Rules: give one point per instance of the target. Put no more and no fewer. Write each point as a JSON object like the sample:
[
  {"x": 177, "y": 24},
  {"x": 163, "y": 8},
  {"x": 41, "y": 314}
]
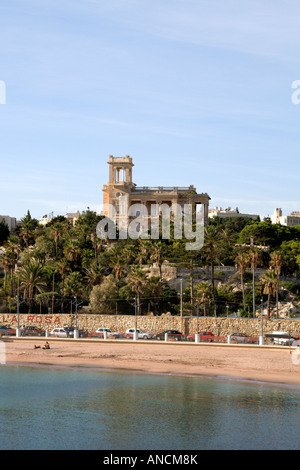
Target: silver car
[{"x": 141, "y": 334}]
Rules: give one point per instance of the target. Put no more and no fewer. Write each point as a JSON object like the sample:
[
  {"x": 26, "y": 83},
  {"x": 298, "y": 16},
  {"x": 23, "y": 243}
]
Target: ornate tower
[{"x": 120, "y": 181}]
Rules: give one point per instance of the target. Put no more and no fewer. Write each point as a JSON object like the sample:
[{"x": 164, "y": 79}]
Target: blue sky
[{"x": 196, "y": 91}]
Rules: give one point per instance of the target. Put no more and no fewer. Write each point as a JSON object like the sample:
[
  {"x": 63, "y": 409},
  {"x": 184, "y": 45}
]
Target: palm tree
[
  {"x": 269, "y": 283},
  {"x": 27, "y": 227},
  {"x": 242, "y": 261},
  {"x": 119, "y": 268},
  {"x": 203, "y": 292},
  {"x": 213, "y": 244},
  {"x": 57, "y": 230},
  {"x": 72, "y": 250},
  {"x": 157, "y": 255},
  {"x": 7, "y": 263},
  {"x": 32, "y": 279},
  {"x": 97, "y": 245},
  {"x": 144, "y": 250},
  {"x": 155, "y": 289},
  {"x": 138, "y": 281},
  {"x": 94, "y": 274},
  {"x": 277, "y": 260},
  {"x": 62, "y": 267},
  {"x": 254, "y": 257}
]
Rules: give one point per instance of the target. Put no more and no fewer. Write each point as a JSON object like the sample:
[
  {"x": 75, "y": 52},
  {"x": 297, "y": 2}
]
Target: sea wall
[{"x": 219, "y": 326}]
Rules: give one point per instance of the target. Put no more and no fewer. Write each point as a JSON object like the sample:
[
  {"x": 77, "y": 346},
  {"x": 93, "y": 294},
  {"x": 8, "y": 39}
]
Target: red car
[
  {"x": 7, "y": 330},
  {"x": 204, "y": 336}
]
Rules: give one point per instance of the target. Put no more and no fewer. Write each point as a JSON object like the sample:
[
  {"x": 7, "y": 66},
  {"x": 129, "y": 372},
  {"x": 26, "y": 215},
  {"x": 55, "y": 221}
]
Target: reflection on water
[{"x": 80, "y": 409}]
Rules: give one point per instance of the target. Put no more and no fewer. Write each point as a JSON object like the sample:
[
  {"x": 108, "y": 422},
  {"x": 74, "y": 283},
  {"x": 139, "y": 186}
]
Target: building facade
[
  {"x": 228, "y": 212},
  {"x": 11, "y": 222},
  {"x": 289, "y": 220},
  {"x": 120, "y": 185}
]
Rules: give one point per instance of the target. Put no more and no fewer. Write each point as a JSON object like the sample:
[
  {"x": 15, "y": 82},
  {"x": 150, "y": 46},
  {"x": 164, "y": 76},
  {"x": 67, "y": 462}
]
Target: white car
[
  {"x": 61, "y": 333},
  {"x": 109, "y": 332},
  {"x": 141, "y": 334},
  {"x": 283, "y": 338}
]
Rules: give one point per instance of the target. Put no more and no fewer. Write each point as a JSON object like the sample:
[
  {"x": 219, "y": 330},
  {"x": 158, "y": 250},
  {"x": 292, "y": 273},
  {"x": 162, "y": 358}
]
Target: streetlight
[
  {"x": 181, "y": 309},
  {"x": 75, "y": 297},
  {"x": 227, "y": 308},
  {"x": 197, "y": 315},
  {"x": 262, "y": 325}
]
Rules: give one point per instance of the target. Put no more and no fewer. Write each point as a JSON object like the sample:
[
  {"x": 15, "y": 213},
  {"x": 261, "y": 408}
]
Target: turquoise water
[{"x": 43, "y": 408}]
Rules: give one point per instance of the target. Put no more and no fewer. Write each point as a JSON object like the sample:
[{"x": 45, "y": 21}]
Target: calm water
[{"x": 83, "y": 409}]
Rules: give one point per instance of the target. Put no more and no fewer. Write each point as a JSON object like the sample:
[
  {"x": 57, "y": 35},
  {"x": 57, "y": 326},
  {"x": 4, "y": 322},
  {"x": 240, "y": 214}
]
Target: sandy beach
[{"x": 239, "y": 362}]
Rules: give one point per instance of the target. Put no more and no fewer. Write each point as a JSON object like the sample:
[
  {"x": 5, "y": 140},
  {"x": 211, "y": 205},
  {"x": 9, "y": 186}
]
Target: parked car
[
  {"x": 7, "y": 330},
  {"x": 282, "y": 337},
  {"x": 31, "y": 331},
  {"x": 242, "y": 338},
  {"x": 173, "y": 334},
  {"x": 141, "y": 334},
  {"x": 204, "y": 336},
  {"x": 61, "y": 333},
  {"x": 110, "y": 333},
  {"x": 67, "y": 332}
]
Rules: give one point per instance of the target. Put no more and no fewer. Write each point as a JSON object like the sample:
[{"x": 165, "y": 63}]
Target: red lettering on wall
[
  {"x": 14, "y": 319},
  {"x": 39, "y": 319},
  {"x": 57, "y": 320},
  {"x": 47, "y": 319},
  {"x": 4, "y": 321},
  {"x": 30, "y": 318}
]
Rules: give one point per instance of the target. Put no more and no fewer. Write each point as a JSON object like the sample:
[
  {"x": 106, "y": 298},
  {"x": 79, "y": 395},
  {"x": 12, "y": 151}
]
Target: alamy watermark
[
  {"x": 296, "y": 94},
  {"x": 135, "y": 221},
  {"x": 2, "y": 92}
]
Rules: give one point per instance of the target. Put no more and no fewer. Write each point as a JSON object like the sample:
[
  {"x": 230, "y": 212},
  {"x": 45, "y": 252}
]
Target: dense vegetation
[{"x": 59, "y": 268}]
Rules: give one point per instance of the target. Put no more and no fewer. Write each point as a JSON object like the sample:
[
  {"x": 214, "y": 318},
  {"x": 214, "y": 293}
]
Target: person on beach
[{"x": 47, "y": 345}]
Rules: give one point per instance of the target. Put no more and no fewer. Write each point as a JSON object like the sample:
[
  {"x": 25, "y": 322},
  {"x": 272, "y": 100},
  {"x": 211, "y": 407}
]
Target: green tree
[
  {"x": 32, "y": 280},
  {"x": 4, "y": 232},
  {"x": 103, "y": 297},
  {"x": 242, "y": 261},
  {"x": 138, "y": 281},
  {"x": 277, "y": 260},
  {"x": 211, "y": 250},
  {"x": 203, "y": 292},
  {"x": 254, "y": 257},
  {"x": 269, "y": 283}
]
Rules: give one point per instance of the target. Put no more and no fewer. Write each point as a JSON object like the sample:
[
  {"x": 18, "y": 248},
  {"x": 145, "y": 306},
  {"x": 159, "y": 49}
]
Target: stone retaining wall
[{"x": 218, "y": 326}]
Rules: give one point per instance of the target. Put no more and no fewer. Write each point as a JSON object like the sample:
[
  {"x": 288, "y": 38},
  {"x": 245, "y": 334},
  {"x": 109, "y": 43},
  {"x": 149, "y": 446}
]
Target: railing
[{"x": 161, "y": 188}]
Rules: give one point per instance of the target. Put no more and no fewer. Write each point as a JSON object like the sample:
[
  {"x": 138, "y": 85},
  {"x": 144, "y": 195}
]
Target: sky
[{"x": 195, "y": 91}]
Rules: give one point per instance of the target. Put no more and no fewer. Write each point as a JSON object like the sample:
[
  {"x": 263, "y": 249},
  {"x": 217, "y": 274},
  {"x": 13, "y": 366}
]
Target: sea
[{"x": 44, "y": 408}]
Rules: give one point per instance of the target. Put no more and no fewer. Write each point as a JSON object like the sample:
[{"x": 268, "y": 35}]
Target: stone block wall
[{"x": 188, "y": 325}]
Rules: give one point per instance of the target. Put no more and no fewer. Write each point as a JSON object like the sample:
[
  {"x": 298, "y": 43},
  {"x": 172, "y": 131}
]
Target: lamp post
[
  {"x": 135, "y": 313},
  {"x": 181, "y": 306},
  {"x": 18, "y": 313},
  {"x": 135, "y": 334},
  {"x": 76, "y": 335},
  {"x": 75, "y": 311},
  {"x": 227, "y": 308},
  {"x": 262, "y": 324}
]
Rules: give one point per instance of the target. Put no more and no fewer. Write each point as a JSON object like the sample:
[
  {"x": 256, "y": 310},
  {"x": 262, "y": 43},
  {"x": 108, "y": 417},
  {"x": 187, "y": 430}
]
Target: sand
[{"x": 241, "y": 362}]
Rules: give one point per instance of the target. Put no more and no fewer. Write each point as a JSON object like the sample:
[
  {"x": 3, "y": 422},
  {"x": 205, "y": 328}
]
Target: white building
[
  {"x": 71, "y": 217},
  {"x": 219, "y": 212},
  {"x": 11, "y": 222},
  {"x": 290, "y": 220}
]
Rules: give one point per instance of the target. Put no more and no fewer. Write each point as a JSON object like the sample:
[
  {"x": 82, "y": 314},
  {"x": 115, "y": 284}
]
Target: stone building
[
  {"x": 120, "y": 185},
  {"x": 292, "y": 219}
]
